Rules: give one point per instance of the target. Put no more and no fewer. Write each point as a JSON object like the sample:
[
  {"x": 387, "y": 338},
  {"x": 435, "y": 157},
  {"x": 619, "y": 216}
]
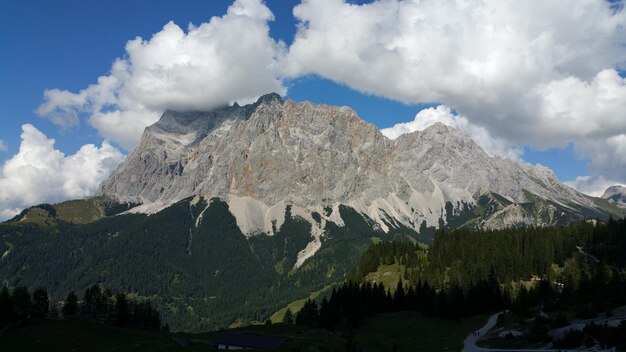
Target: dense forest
[
  {"x": 467, "y": 272},
  {"x": 464, "y": 256},
  {"x": 18, "y": 306},
  {"x": 200, "y": 274}
]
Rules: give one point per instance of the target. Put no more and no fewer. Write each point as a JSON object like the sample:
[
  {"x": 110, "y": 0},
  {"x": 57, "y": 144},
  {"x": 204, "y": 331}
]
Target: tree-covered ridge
[
  {"x": 569, "y": 268},
  {"x": 18, "y": 306},
  {"x": 462, "y": 256},
  {"x": 201, "y": 274},
  {"x": 78, "y": 211}
]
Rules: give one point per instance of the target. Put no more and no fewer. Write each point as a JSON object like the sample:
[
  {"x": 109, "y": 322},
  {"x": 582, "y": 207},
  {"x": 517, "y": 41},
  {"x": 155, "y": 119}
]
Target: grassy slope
[
  {"x": 201, "y": 279},
  {"x": 296, "y": 305},
  {"x": 80, "y": 211},
  {"x": 389, "y": 275}
]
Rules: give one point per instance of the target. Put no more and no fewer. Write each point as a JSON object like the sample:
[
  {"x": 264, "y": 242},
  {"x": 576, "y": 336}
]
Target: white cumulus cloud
[
  {"x": 591, "y": 185},
  {"x": 443, "y": 114},
  {"x": 539, "y": 73},
  {"x": 3, "y": 146},
  {"x": 39, "y": 173},
  {"x": 225, "y": 59}
]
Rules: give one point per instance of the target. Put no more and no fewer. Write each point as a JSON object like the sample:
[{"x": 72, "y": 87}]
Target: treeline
[
  {"x": 413, "y": 256},
  {"x": 352, "y": 302},
  {"x": 18, "y": 306},
  {"x": 463, "y": 256},
  {"x": 476, "y": 272}
]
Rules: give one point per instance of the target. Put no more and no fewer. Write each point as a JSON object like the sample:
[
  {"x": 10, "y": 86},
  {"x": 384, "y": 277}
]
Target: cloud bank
[
  {"x": 39, "y": 173},
  {"x": 536, "y": 73},
  {"x": 424, "y": 118},
  {"x": 592, "y": 185},
  {"x": 226, "y": 59},
  {"x": 531, "y": 73}
]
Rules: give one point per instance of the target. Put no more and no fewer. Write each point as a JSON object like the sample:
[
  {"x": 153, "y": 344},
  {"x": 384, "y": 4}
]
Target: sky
[{"x": 535, "y": 81}]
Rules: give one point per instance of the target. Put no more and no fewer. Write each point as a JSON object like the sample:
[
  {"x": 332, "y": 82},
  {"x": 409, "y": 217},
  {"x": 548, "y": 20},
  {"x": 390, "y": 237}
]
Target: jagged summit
[
  {"x": 262, "y": 157},
  {"x": 270, "y": 98}
]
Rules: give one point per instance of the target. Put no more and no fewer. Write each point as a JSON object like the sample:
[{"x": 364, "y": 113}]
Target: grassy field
[
  {"x": 81, "y": 335},
  {"x": 295, "y": 306},
  {"x": 389, "y": 275},
  {"x": 81, "y": 211}
]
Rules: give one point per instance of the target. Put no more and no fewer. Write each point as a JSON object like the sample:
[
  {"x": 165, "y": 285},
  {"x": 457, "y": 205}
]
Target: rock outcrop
[{"x": 261, "y": 157}]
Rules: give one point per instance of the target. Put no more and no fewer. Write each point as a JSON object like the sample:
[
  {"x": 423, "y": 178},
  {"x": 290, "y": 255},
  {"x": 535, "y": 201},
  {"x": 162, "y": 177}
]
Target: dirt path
[{"x": 469, "y": 344}]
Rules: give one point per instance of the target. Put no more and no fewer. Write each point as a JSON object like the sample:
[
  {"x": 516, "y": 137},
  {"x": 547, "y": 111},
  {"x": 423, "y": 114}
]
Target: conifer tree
[
  {"x": 6, "y": 307},
  {"x": 70, "y": 306},
  {"x": 122, "y": 314},
  {"x": 288, "y": 317},
  {"x": 21, "y": 303},
  {"x": 41, "y": 303}
]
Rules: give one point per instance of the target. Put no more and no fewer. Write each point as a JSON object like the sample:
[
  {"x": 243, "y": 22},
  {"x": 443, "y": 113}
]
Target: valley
[{"x": 234, "y": 217}]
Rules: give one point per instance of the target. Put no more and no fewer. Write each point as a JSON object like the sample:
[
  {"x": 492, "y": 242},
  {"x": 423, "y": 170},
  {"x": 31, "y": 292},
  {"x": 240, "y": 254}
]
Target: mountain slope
[
  {"x": 262, "y": 157},
  {"x": 191, "y": 259},
  {"x": 245, "y": 209}
]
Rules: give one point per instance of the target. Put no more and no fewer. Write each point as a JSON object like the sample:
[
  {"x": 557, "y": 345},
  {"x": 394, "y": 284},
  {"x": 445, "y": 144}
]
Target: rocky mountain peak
[
  {"x": 261, "y": 157},
  {"x": 616, "y": 194},
  {"x": 270, "y": 98}
]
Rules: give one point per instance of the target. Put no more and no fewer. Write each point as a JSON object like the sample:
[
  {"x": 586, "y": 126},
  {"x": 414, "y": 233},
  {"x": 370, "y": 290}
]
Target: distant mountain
[
  {"x": 236, "y": 212},
  {"x": 616, "y": 194}
]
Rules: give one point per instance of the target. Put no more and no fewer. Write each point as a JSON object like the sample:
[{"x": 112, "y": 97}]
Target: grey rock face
[
  {"x": 616, "y": 194},
  {"x": 263, "y": 156}
]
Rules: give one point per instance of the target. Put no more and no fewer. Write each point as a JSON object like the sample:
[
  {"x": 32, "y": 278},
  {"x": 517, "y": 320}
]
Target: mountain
[
  {"x": 224, "y": 217},
  {"x": 259, "y": 158},
  {"x": 616, "y": 194}
]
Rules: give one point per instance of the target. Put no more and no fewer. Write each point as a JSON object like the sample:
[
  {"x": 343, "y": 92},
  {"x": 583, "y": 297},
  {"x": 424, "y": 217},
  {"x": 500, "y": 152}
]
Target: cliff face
[{"x": 260, "y": 158}]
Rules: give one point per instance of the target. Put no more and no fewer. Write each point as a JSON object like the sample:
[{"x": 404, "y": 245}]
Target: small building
[{"x": 233, "y": 340}]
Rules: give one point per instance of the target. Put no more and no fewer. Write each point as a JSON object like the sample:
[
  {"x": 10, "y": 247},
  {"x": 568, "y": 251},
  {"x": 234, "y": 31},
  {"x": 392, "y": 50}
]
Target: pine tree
[
  {"x": 308, "y": 314},
  {"x": 400, "y": 297},
  {"x": 6, "y": 307},
  {"x": 41, "y": 303},
  {"x": 288, "y": 317},
  {"x": 70, "y": 306},
  {"x": 122, "y": 313},
  {"x": 21, "y": 303},
  {"x": 327, "y": 315}
]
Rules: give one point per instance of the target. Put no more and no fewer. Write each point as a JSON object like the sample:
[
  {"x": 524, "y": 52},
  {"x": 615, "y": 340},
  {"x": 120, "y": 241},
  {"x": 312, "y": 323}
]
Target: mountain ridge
[
  {"x": 264, "y": 156},
  {"x": 279, "y": 199}
]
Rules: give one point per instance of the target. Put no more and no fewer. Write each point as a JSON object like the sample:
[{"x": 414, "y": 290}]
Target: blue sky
[{"x": 68, "y": 44}]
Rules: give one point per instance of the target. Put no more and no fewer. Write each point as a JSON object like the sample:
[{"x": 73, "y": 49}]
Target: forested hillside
[
  {"x": 575, "y": 268},
  {"x": 202, "y": 273}
]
